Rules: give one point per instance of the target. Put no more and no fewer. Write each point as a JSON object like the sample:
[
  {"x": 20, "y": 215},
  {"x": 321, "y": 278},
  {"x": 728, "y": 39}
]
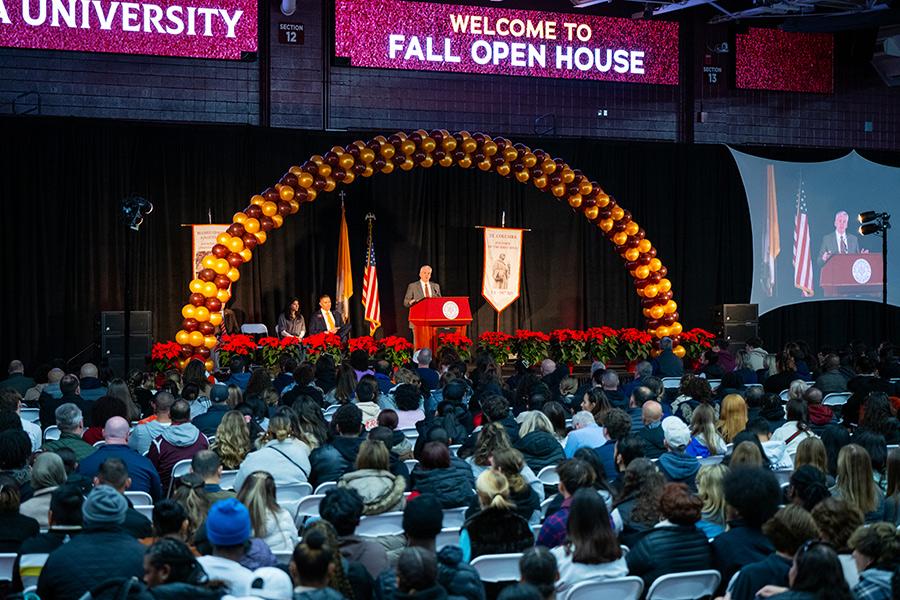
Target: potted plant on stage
[
  {"x": 696, "y": 342},
  {"x": 531, "y": 346},
  {"x": 366, "y": 343},
  {"x": 458, "y": 343},
  {"x": 602, "y": 344},
  {"x": 273, "y": 351},
  {"x": 397, "y": 350},
  {"x": 236, "y": 345},
  {"x": 636, "y": 345},
  {"x": 568, "y": 346},
  {"x": 497, "y": 344},
  {"x": 164, "y": 356},
  {"x": 323, "y": 343}
]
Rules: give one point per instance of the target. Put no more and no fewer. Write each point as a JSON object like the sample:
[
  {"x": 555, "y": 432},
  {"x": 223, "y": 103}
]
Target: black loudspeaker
[
  {"x": 739, "y": 332},
  {"x": 736, "y": 313},
  {"x": 112, "y": 322},
  {"x": 112, "y": 340}
]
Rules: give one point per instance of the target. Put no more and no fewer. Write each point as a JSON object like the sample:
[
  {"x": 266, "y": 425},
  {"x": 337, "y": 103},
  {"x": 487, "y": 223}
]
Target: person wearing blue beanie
[{"x": 228, "y": 530}]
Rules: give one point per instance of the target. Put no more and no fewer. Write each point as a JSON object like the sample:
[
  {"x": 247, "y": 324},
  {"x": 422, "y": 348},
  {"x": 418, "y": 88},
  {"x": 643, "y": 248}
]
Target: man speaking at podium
[
  {"x": 419, "y": 290},
  {"x": 838, "y": 241}
]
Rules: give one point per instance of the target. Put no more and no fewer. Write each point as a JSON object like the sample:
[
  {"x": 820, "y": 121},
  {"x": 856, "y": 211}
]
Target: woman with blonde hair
[
  {"x": 235, "y": 396},
  {"x": 855, "y": 483},
  {"x": 746, "y": 454},
  {"x": 537, "y": 442},
  {"x": 705, "y": 440},
  {"x": 491, "y": 438},
  {"x": 270, "y": 522},
  {"x": 232, "y": 440},
  {"x": 282, "y": 455},
  {"x": 710, "y": 490},
  {"x": 732, "y": 417},
  {"x": 381, "y": 491},
  {"x": 496, "y": 528},
  {"x": 510, "y": 462},
  {"x": 811, "y": 451},
  {"x": 190, "y": 493}
]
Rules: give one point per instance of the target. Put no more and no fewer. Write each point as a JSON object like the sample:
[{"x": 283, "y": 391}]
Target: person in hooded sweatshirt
[
  {"x": 282, "y": 454},
  {"x": 674, "y": 463},
  {"x": 876, "y": 550},
  {"x": 180, "y": 441},
  {"x": 774, "y": 451},
  {"x": 819, "y": 414}
]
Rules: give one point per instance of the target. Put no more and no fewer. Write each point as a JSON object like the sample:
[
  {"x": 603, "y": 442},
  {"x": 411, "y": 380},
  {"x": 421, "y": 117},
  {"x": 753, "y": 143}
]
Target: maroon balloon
[
  {"x": 359, "y": 169},
  {"x": 222, "y": 282},
  {"x": 220, "y": 251},
  {"x": 663, "y": 271},
  {"x": 207, "y": 328},
  {"x": 186, "y": 350},
  {"x": 497, "y": 160},
  {"x": 458, "y": 155},
  {"x": 253, "y": 211},
  {"x": 214, "y": 305},
  {"x": 300, "y": 195},
  {"x": 653, "y": 323},
  {"x": 250, "y": 241},
  {"x": 189, "y": 324},
  {"x": 399, "y": 159},
  {"x": 373, "y": 144},
  {"x": 352, "y": 150},
  {"x": 668, "y": 320},
  {"x": 311, "y": 168},
  {"x": 640, "y": 283},
  {"x": 654, "y": 278},
  {"x": 378, "y": 164},
  {"x": 339, "y": 175},
  {"x": 572, "y": 188},
  {"x": 206, "y": 274},
  {"x": 284, "y": 208},
  {"x": 235, "y": 230},
  {"x": 416, "y": 138},
  {"x": 289, "y": 179},
  {"x": 266, "y": 223},
  {"x": 204, "y": 352},
  {"x": 331, "y": 158},
  {"x": 437, "y": 135},
  {"x": 555, "y": 179},
  {"x": 197, "y": 299},
  {"x": 643, "y": 260},
  {"x": 439, "y": 154},
  {"x": 271, "y": 194},
  {"x": 319, "y": 183},
  {"x": 235, "y": 260}
]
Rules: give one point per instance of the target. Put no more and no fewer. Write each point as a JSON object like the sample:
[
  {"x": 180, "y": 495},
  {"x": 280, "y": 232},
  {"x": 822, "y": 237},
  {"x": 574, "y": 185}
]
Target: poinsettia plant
[
  {"x": 365, "y": 342},
  {"x": 458, "y": 342},
  {"x": 696, "y": 342},
  {"x": 164, "y": 356},
  {"x": 636, "y": 343},
  {"x": 397, "y": 350},
  {"x": 497, "y": 344},
  {"x": 531, "y": 346},
  {"x": 236, "y": 345},
  {"x": 323, "y": 343},
  {"x": 602, "y": 343},
  {"x": 569, "y": 345}
]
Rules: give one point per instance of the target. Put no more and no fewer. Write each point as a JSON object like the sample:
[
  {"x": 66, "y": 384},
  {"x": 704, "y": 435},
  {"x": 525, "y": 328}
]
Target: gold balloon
[
  {"x": 223, "y": 238},
  {"x": 367, "y": 155},
  {"x": 387, "y": 168},
  {"x": 235, "y": 244},
  {"x": 489, "y": 148},
  {"x": 223, "y": 296},
  {"x": 408, "y": 147},
  {"x": 602, "y": 200},
  {"x": 448, "y": 144},
  {"x": 510, "y": 154},
  {"x": 671, "y": 307},
  {"x": 209, "y": 290},
  {"x": 522, "y": 176},
  {"x": 469, "y": 145},
  {"x": 277, "y": 221},
  {"x": 548, "y": 167},
  {"x": 201, "y": 314},
  {"x": 209, "y": 365},
  {"x": 447, "y": 161},
  {"x": 286, "y": 193},
  {"x": 188, "y": 311},
  {"x": 305, "y": 180},
  {"x": 246, "y": 254},
  {"x": 465, "y": 162},
  {"x": 651, "y": 291},
  {"x": 221, "y": 267},
  {"x": 585, "y": 187},
  {"x": 632, "y": 254},
  {"x": 485, "y": 165},
  {"x": 620, "y": 238},
  {"x": 631, "y": 228},
  {"x": 679, "y": 351},
  {"x": 662, "y": 331},
  {"x": 261, "y": 236},
  {"x": 239, "y": 217},
  {"x": 558, "y": 190},
  {"x": 606, "y": 224},
  {"x": 591, "y": 213},
  {"x": 428, "y": 145},
  {"x": 330, "y": 184},
  {"x": 369, "y": 171},
  {"x": 657, "y": 312},
  {"x": 251, "y": 225},
  {"x": 426, "y": 163},
  {"x": 311, "y": 194},
  {"x": 655, "y": 264},
  {"x": 642, "y": 272},
  {"x": 270, "y": 209},
  {"x": 295, "y": 206},
  {"x": 617, "y": 213},
  {"x": 257, "y": 199},
  {"x": 644, "y": 246},
  {"x": 346, "y": 161},
  {"x": 295, "y": 171},
  {"x": 182, "y": 337},
  {"x": 675, "y": 328},
  {"x": 196, "y": 339},
  {"x": 196, "y": 286},
  {"x": 387, "y": 151},
  {"x": 324, "y": 170},
  {"x": 575, "y": 201},
  {"x": 503, "y": 170},
  {"x": 409, "y": 165},
  {"x": 210, "y": 341},
  {"x": 665, "y": 285},
  {"x": 540, "y": 181},
  {"x": 568, "y": 175}
]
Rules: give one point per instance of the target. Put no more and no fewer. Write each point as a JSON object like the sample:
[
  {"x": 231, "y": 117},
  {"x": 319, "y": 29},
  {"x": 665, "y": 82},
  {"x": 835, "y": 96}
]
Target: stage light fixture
[
  {"x": 874, "y": 222},
  {"x": 133, "y": 210},
  {"x": 867, "y": 216},
  {"x": 869, "y": 228}
]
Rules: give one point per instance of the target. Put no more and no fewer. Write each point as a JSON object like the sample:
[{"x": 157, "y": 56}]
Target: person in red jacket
[{"x": 180, "y": 441}]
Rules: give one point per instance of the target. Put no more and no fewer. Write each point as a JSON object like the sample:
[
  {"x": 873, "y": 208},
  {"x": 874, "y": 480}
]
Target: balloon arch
[{"x": 210, "y": 291}]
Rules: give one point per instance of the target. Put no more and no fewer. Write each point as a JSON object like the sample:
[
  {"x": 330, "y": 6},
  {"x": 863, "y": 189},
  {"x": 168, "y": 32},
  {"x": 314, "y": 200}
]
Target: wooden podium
[
  {"x": 852, "y": 275},
  {"x": 431, "y": 314}
]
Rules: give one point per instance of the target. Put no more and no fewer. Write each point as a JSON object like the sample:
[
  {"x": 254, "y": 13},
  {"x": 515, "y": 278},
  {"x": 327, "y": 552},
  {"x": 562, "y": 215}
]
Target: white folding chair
[
  {"x": 454, "y": 517},
  {"x": 548, "y": 476},
  {"x": 535, "y": 530},
  {"x": 52, "y": 433},
  {"x": 449, "y": 536},
  {"x": 545, "y": 504},
  {"x": 308, "y": 507},
  {"x": 283, "y": 556},
  {"x": 836, "y": 398},
  {"x": 411, "y": 433},
  {"x": 255, "y": 329},
  {"x": 498, "y": 567},
  {"x": 454, "y": 449},
  {"x": 713, "y": 459},
  {"x": 32, "y": 415},
  {"x": 7, "y": 560},
  {"x": 147, "y": 511},
  {"x": 99, "y": 443},
  {"x": 620, "y": 588},
  {"x": 329, "y": 412},
  {"x": 684, "y": 586},
  {"x": 785, "y": 395},
  {"x": 325, "y": 486},
  {"x": 410, "y": 464},
  {"x": 226, "y": 482},
  {"x": 714, "y": 383},
  {"x": 671, "y": 383},
  {"x": 289, "y": 495},
  {"x": 783, "y": 476},
  {"x": 181, "y": 468},
  {"x": 389, "y": 523},
  {"x": 139, "y": 498},
  {"x": 750, "y": 385}
]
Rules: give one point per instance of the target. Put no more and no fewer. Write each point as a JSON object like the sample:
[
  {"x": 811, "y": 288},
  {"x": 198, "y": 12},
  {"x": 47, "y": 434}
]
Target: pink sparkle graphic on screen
[
  {"x": 223, "y": 29},
  {"x": 769, "y": 59},
  {"x": 394, "y": 34}
]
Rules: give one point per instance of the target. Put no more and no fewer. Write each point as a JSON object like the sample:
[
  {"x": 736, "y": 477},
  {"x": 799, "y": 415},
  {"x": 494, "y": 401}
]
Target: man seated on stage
[{"x": 328, "y": 320}]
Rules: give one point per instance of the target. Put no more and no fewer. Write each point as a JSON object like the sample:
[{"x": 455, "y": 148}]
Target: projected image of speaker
[{"x": 112, "y": 340}]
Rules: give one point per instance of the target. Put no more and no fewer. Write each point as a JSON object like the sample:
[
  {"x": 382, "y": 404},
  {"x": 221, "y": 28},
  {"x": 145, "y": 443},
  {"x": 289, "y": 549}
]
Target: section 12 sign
[
  {"x": 394, "y": 34},
  {"x": 191, "y": 28}
]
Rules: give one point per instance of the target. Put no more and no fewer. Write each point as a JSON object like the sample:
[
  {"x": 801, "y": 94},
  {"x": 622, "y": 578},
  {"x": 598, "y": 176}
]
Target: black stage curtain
[{"x": 65, "y": 247}]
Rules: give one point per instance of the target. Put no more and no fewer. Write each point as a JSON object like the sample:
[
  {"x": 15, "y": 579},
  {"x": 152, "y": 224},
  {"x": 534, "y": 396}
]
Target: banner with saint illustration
[
  {"x": 502, "y": 266},
  {"x": 203, "y": 238}
]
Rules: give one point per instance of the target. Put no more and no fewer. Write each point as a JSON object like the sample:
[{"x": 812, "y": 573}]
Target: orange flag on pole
[{"x": 344, "y": 272}]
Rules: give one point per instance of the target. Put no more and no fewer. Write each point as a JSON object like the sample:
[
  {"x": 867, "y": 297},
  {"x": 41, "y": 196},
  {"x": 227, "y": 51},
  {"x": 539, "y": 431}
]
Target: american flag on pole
[
  {"x": 370, "y": 299},
  {"x": 803, "y": 278}
]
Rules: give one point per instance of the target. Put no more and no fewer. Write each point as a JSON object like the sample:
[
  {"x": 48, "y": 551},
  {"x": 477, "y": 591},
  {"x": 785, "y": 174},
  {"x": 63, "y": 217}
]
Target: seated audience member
[
  {"x": 819, "y": 414},
  {"x": 676, "y": 537},
  {"x": 574, "y": 474},
  {"x": 676, "y": 465},
  {"x": 189, "y": 493},
  {"x": 232, "y": 442},
  {"x": 787, "y": 530},
  {"x": 100, "y": 552},
  {"x": 786, "y": 372},
  {"x": 774, "y": 452},
  {"x": 878, "y": 418},
  {"x": 312, "y": 565},
  {"x": 876, "y": 550},
  {"x": 586, "y": 433},
  {"x": 206, "y": 464},
  {"x": 596, "y": 403},
  {"x": 618, "y": 425},
  {"x": 538, "y": 567},
  {"x": 831, "y": 380},
  {"x": 628, "y": 448},
  {"x": 591, "y": 551},
  {"x": 90, "y": 387},
  {"x": 705, "y": 440},
  {"x": 282, "y": 455},
  {"x": 855, "y": 483},
  {"x": 436, "y": 474},
  {"x": 710, "y": 491},
  {"x": 640, "y": 396},
  {"x": 380, "y": 490},
  {"x": 11, "y": 401},
  {"x": 694, "y": 391},
  {"x": 65, "y": 523},
  {"x": 651, "y": 432},
  {"x": 47, "y": 474},
  {"x": 732, "y": 417},
  {"x": 14, "y": 526},
  {"x": 812, "y": 452},
  {"x": 152, "y": 427},
  {"x": 537, "y": 442},
  {"x": 304, "y": 385},
  {"x": 496, "y": 528},
  {"x": 170, "y": 520},
  {"x": 417, "y": 573},
  {"x": 528, "y": 505},
  {"x": 746, "y": 454},
  {"x": 114, "y": 473},
  {"x": 892, "y": 495},
  {"x": 180, "y": 441},
  {"x": 408, "y": 399},
  {"x": 70, "y": 421},
  {"x": 367, "y": 402},
  {"x": 17, "y": 380},
  {"x": 667, "y": 363},
  {"x": 399, "y": 445},
  {"x": 208, "y": 422},
  {"x": 422, "y": 521},
  {"x": 102, "y": 411},
  {"x": 638, "y": 504},
  {"x": 807, "y": 487},
  {"x": 837, "y": 520},
  {"x": 772, "y": 410},
  {"x": 814, "y": 573},
  {"x": 752, "y": 496},
  {"x": 332, "y": 460},
  {"x": 271, "y": 523},
  {"x": 642, "y": 370},
  {"x": 875, "y": 447},
  {"x": 796, "y": 429},
  {"x": 72, "y": 475},
  {"x": 228, "y": 529},
  {"x": 172, "y": 570},
  {"x": 343, "y": 507},
  {"x": 144, "y": 477},
  {"x": 67, "y": 392}
]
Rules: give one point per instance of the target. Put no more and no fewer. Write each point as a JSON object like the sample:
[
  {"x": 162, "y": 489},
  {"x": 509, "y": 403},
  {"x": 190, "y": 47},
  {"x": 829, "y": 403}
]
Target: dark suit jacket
[
  {"x": 414, "y": 293},
  {"x": 317, "y": 323},
  {"x": 830, "y": 245}
]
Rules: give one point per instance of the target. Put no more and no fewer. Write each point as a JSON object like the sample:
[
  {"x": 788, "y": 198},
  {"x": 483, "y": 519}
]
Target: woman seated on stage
[{"x": 291, "y": 322}]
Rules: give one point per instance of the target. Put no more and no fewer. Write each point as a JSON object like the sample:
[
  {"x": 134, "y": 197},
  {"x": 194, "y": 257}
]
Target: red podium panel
[
  {"x": 852, "y": 275},
  {"x": 431, "y": 314}
]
